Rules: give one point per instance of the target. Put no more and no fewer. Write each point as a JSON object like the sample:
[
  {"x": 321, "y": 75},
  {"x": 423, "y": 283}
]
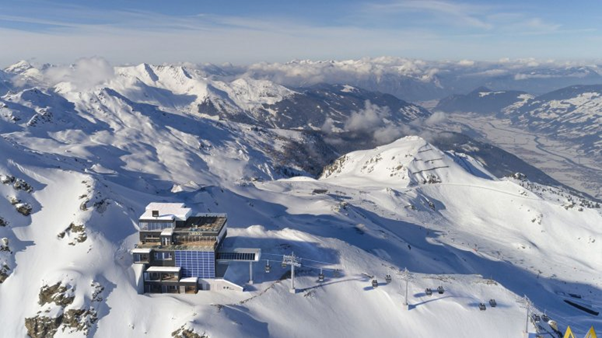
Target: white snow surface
[{"x": 97, "y": 157}]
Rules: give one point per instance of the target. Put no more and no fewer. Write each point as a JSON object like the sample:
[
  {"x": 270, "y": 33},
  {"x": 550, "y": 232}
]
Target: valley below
[{"x": 561, "y": 160}]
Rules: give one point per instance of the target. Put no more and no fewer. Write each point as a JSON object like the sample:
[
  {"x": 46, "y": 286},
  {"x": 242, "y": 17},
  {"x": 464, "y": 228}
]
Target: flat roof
[
  {"x": 205, "y": 223},
  {"x": 189, "y": 280},
  {"x": 201, "y": 245},
  {"x": 164, "y": 269},
  {"x": 142, "y": 250},
  {"x": 167, "y": 212}
]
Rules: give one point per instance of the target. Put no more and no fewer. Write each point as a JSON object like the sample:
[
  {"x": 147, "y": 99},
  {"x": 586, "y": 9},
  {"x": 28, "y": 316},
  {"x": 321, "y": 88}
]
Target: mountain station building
[{"x": 180, "y": 251}]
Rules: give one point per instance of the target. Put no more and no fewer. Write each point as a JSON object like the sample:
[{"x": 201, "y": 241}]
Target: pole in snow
[
  {"x": 527, "y": 320},
  {"x": 293, "y": 261},
  {"x": 406, "y": 277},
  {"x": 251, "y": 273}
]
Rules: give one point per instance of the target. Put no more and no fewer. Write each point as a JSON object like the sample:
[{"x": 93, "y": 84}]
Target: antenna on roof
[{"x": 155, "y": 213}]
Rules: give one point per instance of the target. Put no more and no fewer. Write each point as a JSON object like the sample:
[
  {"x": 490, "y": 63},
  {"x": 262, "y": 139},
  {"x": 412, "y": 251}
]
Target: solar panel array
[{"x": 196, "y": 263}]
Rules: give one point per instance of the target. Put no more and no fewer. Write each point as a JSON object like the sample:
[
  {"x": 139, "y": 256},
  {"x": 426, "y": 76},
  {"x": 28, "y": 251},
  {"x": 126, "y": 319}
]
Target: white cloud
[
  {"x": 373, "y": 120},
  {"x": 436, "y": 118},
  {"x": 328, "y": 126},
  {"x": 387, "y": 134},
  {"x": 466, "y": 63},
  {"x": 85, "y": 73},
  {"x": 367, "y": 119},
  {"x": 451, "y": 12}
]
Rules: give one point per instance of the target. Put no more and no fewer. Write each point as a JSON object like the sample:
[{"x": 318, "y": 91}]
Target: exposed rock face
[
  {"x": 70, "y": 320},
  {"x": 79, "y": 320},
  {"x": 24, "y": 208},
  {"x": 77, "y": 233},
  {"x": 18, "y": 183},
  {"x": 184, "y": 332},
  {"x": 42, "y": 327},
  {"x": 57, "y": 293},
  {"x": 4, "y": 273}
]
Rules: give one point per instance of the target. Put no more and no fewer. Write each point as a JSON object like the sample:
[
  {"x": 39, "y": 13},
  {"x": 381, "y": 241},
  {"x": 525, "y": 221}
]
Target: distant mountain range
[
  {"x": 321, "y": 170},
  {"x": 573, "y": 114},
  {"x": 481, "y": 100},
  {"x": 328, "y": 119}
]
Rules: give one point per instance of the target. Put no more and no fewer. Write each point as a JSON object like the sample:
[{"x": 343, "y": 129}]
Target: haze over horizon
[{"x": 242, "y": 32}]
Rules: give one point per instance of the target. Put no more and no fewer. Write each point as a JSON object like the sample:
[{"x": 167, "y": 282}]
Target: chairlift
[
  {"x": 535, "y": 317},
  {"x": 374, "y": 283},
  {"x": 441, "y": 290},
  {"x": 336, "y": 273},
  {"x": 492, "y": 302},
  {"x": 321, "y": 276},
  {"x": 388, "y": 279},
  {"x": 283, "y": 264},
  {"x": 482, "y": 307},
  {"x": 268, "y": 267},
  {"x": 428, "y": 292},
  {"x": 545, "y": 318}
]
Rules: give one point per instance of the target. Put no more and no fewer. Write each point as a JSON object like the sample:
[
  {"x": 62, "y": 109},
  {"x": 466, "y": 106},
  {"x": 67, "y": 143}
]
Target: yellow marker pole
[
  {"x": 591, "y": 333},
  {"x": 569, "y": 333}
]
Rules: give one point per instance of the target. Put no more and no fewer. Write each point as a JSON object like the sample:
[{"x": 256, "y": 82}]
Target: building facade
[{"x": 177, "y": 249}]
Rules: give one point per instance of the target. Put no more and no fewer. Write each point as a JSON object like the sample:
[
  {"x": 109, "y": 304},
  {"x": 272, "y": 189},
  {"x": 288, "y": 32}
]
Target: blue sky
[{"x": 245, "y": 32}]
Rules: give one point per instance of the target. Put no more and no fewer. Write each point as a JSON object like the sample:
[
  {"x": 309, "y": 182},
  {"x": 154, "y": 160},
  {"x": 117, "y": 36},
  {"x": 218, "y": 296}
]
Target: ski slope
[{"x": 95, "y": 158}]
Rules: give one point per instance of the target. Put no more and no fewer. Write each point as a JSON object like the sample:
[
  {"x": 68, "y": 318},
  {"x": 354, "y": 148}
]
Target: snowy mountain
[
  {"x": 573, "y": 114},
  {"x": 81, "y": 159},
  {"x": 482, "y": 101},
  {"x": 420, "y": 80}
]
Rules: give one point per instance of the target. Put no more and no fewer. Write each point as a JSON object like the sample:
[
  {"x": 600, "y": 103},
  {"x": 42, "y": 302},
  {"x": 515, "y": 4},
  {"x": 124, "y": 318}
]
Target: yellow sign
[
  {"x": 569, "y": 333},
  {"x": 590, "y": 334}
]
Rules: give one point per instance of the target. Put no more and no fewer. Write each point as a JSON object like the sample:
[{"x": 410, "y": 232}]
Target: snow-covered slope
[
  {"x": 406, "y": 204},
  {"x": 482, "y": 100},
  {"x": 573, "y": 114},
  {"x": 74, "y": 183}
]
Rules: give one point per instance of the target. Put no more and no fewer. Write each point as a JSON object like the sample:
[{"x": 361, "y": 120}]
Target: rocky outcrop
[
  {"x": 77, "y": 233},
  {"x": 184, "y": 332},
  {"x": 71, "y": 320},
  {"x": 42, "y": 327}
]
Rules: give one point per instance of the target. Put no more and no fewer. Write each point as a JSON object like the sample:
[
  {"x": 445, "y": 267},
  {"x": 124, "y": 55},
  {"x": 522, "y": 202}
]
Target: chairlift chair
[
  {"x": 492, "y": 302},
  {"x": 388, "y": 279},
  {"x": 336, "y": 273},
  {"x": 545, "y": 318},
  {"x": 268, "y": 267},
  {"x": 440, "y": 290},
  {"x": 428, "y": 291},
  {"x": 283, "y": 264},
  {"x": 374, "y": 283},
  {"x": 321, "y": 277},
  {"x": 482, "y": 307}
]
